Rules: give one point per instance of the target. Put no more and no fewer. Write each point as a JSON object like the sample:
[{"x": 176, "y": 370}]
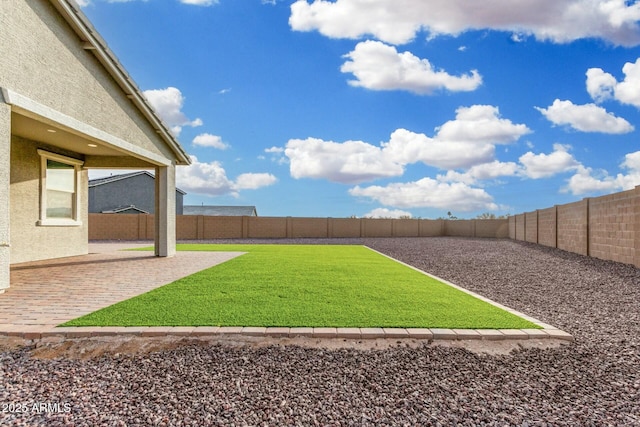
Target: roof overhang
[
  {"x": 92, "y": 41},
  {"x": 64, "y": 131}
]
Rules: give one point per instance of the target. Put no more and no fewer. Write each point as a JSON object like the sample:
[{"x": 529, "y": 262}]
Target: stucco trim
[{"x": 30, "y": 108}]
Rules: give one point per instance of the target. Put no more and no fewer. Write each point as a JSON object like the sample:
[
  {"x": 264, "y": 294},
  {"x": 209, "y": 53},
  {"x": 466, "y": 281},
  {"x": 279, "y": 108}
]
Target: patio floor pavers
[
  {"x": 46, "y": 293},
  {"x": 51, "y": 292}
]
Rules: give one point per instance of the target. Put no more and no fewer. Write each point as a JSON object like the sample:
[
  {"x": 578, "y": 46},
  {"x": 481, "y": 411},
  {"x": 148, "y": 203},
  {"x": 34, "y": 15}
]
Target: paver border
[{"x": 36, "y": 332}]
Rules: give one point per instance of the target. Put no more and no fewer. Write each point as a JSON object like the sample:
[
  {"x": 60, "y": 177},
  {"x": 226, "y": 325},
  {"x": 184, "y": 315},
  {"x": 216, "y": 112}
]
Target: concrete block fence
[
  {"x": 606, "y": 227},
  {"x": 198, "y": 227}
]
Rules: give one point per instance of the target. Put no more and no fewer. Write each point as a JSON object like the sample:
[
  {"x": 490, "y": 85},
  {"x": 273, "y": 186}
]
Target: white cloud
[
  {"x": 399, "y": 21},
  {"x": 378, "y": 66},
  {"x": 468, "y": 140},
  {"x": 387, "y": 213},
  {"x": 200, "y": 2},
  {"x": 276, "y": 155},
  {"x": 208, "y": 140},
  {"x": 632, "y": 161},
  {"x": 602, "y": 86},
  {"x": 628, "y": 90},
  {"x": 585, "y": 118},
  {"x": 204, "y": 178},
  {"x": 482, "y": 172},
  {"x": 546, "y": 165},
  {"x": 405, "y": 147},
  {"x": 586, "y": 180},
  {"x": 481, "y": 124},
  {"x": 253, "y": 181},
  {"x": 210, "y": 179},
  {"x": 428, "y": 192},
  {"x": 348, "y": 162},
  {"x": 168, "y": 104},
  {"x": 275, "y": 150}
]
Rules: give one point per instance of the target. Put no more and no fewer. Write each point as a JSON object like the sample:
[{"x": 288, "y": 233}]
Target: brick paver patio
[{"x": 50, "y": 292}]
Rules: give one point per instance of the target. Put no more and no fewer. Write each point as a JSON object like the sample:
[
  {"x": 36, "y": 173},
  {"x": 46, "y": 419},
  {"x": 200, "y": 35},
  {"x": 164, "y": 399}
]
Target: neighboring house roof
[
  {"x": 108, "y": 179},
  {"x": 92, "y": 41},
  {"x": 220, "y": 210},
  {"x": 125, "y": 209}
]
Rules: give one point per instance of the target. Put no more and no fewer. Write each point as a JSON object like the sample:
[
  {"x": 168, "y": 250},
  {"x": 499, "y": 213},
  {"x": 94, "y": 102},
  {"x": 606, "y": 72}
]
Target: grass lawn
[{"x": 304, "y": 285}]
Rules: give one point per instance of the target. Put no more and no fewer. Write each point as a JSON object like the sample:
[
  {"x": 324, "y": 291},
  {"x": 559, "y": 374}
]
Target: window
[{"x": 59, "y": 185}]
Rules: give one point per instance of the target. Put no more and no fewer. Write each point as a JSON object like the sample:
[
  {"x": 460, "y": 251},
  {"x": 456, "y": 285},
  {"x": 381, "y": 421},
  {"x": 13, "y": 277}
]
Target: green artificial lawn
[{"x": 304, "y": 285}]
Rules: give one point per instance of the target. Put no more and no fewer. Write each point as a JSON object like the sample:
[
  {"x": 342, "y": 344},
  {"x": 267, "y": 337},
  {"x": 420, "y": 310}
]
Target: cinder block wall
[
  {"x": 198, "y": 227},
  {"x": 309, "y": 227},
  {"x": 531, "y": 227},
  {"x": 344, "y": 227},
  {"x": 572, "y": 227},
  {"x": 612, "y": 231},
  {"x": 512, "y": 227},
  {"x": 606, "y": 227},
  {"x": 520, "y": 226},
  {"x": 547, "y": 229}
]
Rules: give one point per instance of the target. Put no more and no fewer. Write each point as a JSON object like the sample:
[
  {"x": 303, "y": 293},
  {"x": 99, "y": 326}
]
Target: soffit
[{"x": 35, "y": 130}]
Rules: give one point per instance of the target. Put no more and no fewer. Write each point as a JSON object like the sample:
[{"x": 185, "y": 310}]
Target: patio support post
[
  {"x": 5, "y": 173},
  {"x": 165, "y": 216}
]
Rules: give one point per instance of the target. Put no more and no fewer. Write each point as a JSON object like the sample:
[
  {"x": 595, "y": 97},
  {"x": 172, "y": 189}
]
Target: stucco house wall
[{"x": 30, "y": 242}]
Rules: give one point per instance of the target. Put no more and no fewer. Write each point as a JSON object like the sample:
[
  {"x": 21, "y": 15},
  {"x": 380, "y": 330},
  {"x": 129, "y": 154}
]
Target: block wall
[
  {"x": 520, "y": 226},
  {"x": 493, "y": 228},
  {"x": 308, "y": 227},
  {"x": 612, "y": 227},
  {"x": 606, "y": 227},
  {"x": 531, "y": 227},
  {"x": 431, "y": 227},
  {"x": 572, "y": 227},
  {"x": 547, "y": 227},
  {"x": 198, "y": 227},
  {"x": 377, "y": 227},
  {"x": 512, "y": 227},
  {"x": 267, "y": 227},
  {"x": 344, "y": 227}
]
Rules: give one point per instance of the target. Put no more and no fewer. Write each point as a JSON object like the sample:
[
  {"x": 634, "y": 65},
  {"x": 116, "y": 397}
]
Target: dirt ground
[{"x": 87, "y": 348}]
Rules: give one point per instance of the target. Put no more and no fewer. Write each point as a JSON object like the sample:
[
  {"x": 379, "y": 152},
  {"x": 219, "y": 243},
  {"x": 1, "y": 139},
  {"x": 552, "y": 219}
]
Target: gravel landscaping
[{"x": 594, "y": 381}]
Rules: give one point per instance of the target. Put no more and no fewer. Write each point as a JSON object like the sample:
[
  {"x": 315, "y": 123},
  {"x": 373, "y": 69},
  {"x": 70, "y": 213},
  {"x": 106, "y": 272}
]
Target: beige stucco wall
[
  {"x": 30, "y": 242},
  {"x": 5, "y": 155},
  {"x": 46, "y": 63}
]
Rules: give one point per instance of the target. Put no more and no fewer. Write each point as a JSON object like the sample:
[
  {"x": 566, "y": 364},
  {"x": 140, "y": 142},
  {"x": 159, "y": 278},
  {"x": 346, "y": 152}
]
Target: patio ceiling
[{"x": 57, "y": 136}]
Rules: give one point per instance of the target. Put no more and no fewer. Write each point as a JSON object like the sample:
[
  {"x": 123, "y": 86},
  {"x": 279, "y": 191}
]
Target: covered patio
[{"x": 66, "y": 106}]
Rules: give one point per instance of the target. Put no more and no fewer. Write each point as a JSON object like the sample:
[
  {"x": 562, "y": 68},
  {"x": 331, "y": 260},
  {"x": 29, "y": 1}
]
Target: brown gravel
[{"x": 594, "y": 381}]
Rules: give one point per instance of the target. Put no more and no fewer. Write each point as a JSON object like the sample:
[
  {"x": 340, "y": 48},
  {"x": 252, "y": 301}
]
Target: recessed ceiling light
[
  {"x": 92, "y": 145},
  {"x": 51, "y": 130}
]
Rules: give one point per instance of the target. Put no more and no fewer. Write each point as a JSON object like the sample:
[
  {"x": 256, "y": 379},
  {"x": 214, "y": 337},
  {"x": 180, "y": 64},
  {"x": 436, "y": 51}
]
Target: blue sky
[{"x": 389, "y": 107}]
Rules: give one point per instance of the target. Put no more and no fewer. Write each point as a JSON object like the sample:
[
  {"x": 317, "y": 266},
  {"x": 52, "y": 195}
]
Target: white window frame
[{"x": 74, "y": 221}]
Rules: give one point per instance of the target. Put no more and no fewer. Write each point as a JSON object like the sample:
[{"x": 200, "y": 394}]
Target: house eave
[{"x": 91, "y": 41}]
